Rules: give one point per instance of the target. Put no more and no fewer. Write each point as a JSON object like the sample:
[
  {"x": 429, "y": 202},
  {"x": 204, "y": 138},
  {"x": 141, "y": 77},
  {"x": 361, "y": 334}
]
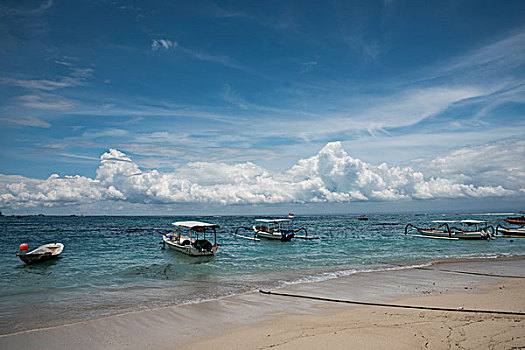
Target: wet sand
[{"x": 259, "y": 321}]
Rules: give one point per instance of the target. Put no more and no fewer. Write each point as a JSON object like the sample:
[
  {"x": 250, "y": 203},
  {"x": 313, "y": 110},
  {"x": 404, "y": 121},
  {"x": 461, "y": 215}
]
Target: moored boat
[
  {"x": 191, "y": 244},
  {"x": 511, "y": 232},
  {"x": 516, "y": 220},
  {"x": 470, "y": 229},
  {"x": 43, "y": 253},
  {"x": 362, "y": 218},
  {"x": 273, "y": 229}
]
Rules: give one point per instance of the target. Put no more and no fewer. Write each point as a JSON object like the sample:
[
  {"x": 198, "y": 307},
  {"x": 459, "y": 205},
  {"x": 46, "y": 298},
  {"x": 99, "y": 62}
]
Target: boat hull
[
  {"x": 511, "y": 232},
  {"x": 189, "y": 249},
  {"x": 42, "y": 254},
  {"x": 276, "y": 236},
  {"x": 453, "y": 235}
]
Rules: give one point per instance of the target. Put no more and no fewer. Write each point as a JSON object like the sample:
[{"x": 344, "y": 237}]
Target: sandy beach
[{"x": 259, "y": 321}]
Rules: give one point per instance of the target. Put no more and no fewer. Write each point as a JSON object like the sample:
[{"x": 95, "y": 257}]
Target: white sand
[{"x": 257, "y": 321}]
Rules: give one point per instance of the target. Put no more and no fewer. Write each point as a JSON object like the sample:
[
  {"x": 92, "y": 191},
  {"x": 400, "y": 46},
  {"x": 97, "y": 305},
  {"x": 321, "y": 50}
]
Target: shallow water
[{"x": 116, "y": 264}]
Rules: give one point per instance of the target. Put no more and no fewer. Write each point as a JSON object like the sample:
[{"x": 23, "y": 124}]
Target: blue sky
[{"x": 434, "y": 87}]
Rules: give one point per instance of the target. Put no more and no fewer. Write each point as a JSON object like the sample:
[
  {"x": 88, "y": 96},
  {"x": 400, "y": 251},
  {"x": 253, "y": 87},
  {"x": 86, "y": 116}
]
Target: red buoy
[{"x": 24, "y": 246}]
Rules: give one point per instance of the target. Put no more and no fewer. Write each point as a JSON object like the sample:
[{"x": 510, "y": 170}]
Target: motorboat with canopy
[
  {"x": 273, "y": 229},
  {"x": 469, "y": 229},
  {"x": 189, "y": 237}
]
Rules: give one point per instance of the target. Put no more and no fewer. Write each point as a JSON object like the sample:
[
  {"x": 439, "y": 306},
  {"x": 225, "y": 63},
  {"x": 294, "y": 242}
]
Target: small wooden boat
[
  {"x": 516, "y": 220},
  {"x": 43, "y": 253},
  {"x": 191, "y": 244},
  {"x": 273, "y": 229},
  {"x": 362, "y": 218},
  {"x": 511, "y": 232},
  {"x": 471, "y": 229}
]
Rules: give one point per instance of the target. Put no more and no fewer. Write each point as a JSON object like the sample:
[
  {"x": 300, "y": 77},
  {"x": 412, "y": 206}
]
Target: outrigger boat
[
  {"x": 191, "y": 244},
  {"x": 512, "y": 231},
  {"x": 273, "y": 229},
  {"x": 43, "y": 253},
  {"x": 472, "y": 229},
  {"x": 517, "y": 220}
]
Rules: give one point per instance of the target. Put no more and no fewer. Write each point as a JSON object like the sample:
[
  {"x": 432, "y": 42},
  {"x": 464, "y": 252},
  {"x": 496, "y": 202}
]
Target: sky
[{"x": 243, "y": 107}]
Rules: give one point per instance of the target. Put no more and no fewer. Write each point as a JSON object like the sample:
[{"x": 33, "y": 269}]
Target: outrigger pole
[
  {"x": 254, "y": 238},
  {"x": 305, "y": 234}
]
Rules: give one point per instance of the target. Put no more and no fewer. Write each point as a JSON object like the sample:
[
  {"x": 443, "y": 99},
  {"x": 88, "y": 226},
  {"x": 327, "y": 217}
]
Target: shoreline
[
  {"x": 377, "y": 327},
  {"x": 140, "y": 327},
  {"x": 315, "y": 276}
]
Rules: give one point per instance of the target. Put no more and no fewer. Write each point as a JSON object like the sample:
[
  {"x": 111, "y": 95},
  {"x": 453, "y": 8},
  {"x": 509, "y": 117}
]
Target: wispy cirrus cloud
[
  {"x": 77, "y": 77},
  {"x": 25, "y": 121},
  {"x": 166, "y": 44},
  {"x": 47, "y": 102},
  {"x": 26, "y": 11},
  {"x": 505, "y": 54}
]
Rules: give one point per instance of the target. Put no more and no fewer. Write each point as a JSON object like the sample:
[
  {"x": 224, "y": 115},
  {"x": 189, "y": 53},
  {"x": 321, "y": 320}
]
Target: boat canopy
[
  {"x": 472, "y": 222},
  {"x": 273, "y": 220},
  {"x": 194, "y": 224}
]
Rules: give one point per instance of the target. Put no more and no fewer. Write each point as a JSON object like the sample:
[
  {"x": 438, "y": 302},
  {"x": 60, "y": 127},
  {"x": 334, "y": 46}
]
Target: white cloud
[
  {"x": 46, "y": 102},
  {"x": 505, "y": 54},
  {"x": 78, "y": 77},
  {"x": 157, "y": 44},
  {"x": 328, "y": 177},
  {"x": 44, "y": 6},
  {"x": 495, "y": 163},
  {"x": 19, "y": 192},
  {"x": 25, "y": 121},
  {"x": 39, "y": 84}
]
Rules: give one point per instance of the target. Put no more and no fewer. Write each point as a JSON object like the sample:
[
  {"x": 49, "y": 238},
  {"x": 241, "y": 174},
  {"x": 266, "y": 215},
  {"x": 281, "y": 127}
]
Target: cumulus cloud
[
  {"x": 20, "y": 192},
  {"x": 495, "y": 163},
  {"x": 330, "y": 176}
]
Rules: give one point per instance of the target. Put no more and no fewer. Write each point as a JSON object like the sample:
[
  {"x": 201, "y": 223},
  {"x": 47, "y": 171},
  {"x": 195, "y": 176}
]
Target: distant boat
[
  {"x": 273, "y": 229},
  {"x": 363, "y": 218},
  {"x": 517, "y": 220},
  {"x": 43, "y": 253},
  {"x": 191, "y": 244}
]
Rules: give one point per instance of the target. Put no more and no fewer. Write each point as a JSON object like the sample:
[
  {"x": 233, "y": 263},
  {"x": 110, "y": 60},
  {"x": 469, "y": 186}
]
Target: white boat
[
  {"x": 191, "y": 244},
  {"x": 470, "y": 229},
  {"x": 511, "y": 232},
  {"x": 273, "y": 229},
  {"x": 43, "y": 253}
]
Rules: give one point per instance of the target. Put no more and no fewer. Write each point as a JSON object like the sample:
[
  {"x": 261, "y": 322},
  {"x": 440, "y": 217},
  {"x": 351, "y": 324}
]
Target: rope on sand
[{"x": 513, "y": 313}]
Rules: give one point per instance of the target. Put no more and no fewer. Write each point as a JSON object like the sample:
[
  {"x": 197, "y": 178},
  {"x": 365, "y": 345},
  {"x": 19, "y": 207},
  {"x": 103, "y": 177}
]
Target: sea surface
[{"x": 113, "y": 265}]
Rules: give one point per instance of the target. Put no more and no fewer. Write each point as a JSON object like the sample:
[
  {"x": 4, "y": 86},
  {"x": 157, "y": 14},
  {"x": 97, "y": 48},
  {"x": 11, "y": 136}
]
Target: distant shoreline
[{"x": 356, "y": 214}]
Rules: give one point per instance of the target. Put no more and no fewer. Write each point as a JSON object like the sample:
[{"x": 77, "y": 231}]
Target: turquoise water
[{"x": 115, "y": 264}]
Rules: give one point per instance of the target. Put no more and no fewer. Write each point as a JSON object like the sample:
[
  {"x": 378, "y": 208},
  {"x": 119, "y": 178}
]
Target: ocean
[{"x": 113, "y": 265}]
